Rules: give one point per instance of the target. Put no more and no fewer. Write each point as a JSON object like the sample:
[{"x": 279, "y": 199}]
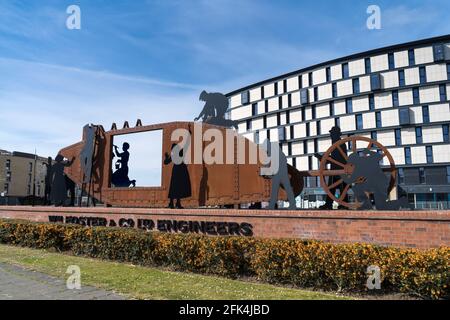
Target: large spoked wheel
[{"x": 357, "y": 143}]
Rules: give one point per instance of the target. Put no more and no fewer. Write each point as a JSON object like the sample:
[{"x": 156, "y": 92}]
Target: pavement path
[{"x": 17, "y": 283}]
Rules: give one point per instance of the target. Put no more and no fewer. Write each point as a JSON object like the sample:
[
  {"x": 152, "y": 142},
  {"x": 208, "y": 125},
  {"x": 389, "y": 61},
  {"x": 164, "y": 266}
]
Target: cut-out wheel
[{"x": 354, "y": 144}]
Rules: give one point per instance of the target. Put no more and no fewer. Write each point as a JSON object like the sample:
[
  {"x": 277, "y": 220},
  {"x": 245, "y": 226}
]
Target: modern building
[
  {"x": 398, "y": 95},
  {"x": 18, "y": 171}
]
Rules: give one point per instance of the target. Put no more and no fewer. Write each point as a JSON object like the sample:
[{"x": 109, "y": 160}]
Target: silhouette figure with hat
[
  {"x": 336, "y": 135},
  {"x": 58, "y": 193}
]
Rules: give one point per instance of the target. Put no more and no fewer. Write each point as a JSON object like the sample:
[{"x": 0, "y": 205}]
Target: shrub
[{"x": 341, "y": 267}]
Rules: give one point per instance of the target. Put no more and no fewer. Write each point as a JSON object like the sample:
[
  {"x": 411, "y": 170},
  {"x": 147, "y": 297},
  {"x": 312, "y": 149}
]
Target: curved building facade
[{"x": 398, "y": 95}]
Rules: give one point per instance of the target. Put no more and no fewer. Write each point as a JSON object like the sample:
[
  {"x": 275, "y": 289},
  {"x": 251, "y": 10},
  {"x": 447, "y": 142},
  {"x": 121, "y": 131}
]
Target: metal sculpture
[
  {"x": 215, "y": 109},
  {"x": 58, "y": 193}
]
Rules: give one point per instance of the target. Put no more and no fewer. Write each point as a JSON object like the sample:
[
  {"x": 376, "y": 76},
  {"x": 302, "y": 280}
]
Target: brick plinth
[{"x": 418, "y": 229}]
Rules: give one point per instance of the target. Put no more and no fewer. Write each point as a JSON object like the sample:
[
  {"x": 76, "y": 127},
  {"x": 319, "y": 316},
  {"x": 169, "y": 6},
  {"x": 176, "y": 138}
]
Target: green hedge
[{"x": 342, "y": 267}]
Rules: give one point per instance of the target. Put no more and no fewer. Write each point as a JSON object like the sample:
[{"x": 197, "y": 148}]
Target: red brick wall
[{"x": 420, "y": 229}]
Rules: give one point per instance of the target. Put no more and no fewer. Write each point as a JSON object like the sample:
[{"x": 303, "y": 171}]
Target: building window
[
  {"x": 328, "y": 73},
  {"x": 367, "y": 65},
  {"x": 448, "y": 71},
  {"x": 423, "y": 75},
  {"x": 275, "y": 88},
  {"x": 448, "y": 174},
  {"x": 254, "y": 109},
  {"x": 331, "y": 108},
  {"x": 30, "y": 167},
  {"x": 318, "y": 128},
  {"x": 290, "y": 148},
  {"x": 303, "y": 114},
  {"x": 422, "y": 175},
  {"x": 404, "y": 117},
  {"x": 39, "y": 190},
  {"x": 375, "y": 81},
  {"x": 401, "y": 78},
  {"x": 408, "y": 155},
  {"x": 378, "y": 119},
  {"x": 425, "y": 114},
  {"x": 337, "y": 122},
  {"x": 316, "y": 146},
  {"x": 29, "y": 189},
  {"x": 289, "y": 100},
  {"x": 249, "y": 125},
  {"x": 257, "y": 137},
  {"x": 266, "y": 106},
  {"x": 419, "y": 138},
  {"x": 398, "y": 137},
  {"x": 443, "y": 92},
  {"x": 300, "y": 81},
  {"x": 349, "y": 105},
  {"x": 445, "y": 133},
  {"x": 334, "y": 89},
  {"x": 6, "y": 188},
  {"x": 401, "y": 176},
  {"x": 278, "y": 119},
  {"x": 411, "y": 57},
  {"x": 359, "y": 122},
  {"x": 304, "y": 96},
  {"x": 262, "y": 92},
  {"x": 439, "y": 52},
  {"x": 345, "y": 71},
  {"x": 371, "y": 102},
  {"x": 308, "y": 131},
  {"x": 416, "y": 96},
  {"x": 285, "y": 85},
  {"x": 265, "y": 122},
  {"x": 291, "y": 129},
  {"x": 429, "y": 151},
  {"x": 305, "y": 147},
  {"x": 268, "y": 135},
  {"x": 395, "y": 101},
  {"x": 356, "y": 88},
  {"x": 280, "y": 102},
  {"x": 316, "y": 94},
  {"x": 313, "y": 112},
  {"x": 8, "y": 176},
  {"x": 391, "y": 61},
  {"x": 288, "y": 117},
  {"x": 8, "y": 165},
  {"x": 310, "y": 79},
  {"x": 373, "y": 135},
  {"x": 245, "y": 97}
]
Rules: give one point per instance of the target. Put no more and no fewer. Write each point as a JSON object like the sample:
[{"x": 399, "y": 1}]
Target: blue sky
[{"x": 150, "y": 59}]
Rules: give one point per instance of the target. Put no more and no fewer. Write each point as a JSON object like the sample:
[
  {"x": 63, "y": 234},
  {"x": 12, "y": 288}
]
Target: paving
[{"x": 17, "y": 283}]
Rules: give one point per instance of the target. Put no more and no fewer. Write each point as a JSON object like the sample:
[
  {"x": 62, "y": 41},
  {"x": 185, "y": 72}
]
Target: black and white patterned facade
[{"x": 397, "y": 95}]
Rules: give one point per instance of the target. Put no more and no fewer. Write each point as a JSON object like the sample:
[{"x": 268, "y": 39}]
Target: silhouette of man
[
  {"x": 120, "y": 176},
  {"x": 280, "y": 177},
  {"x": 216, "y": 106},
  {"x": 368, "y": 177},
  {"x": 336, "y": 134}
]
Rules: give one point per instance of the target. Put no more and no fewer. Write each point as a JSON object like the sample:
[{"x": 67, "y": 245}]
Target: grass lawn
[{"x": 150, "y": 283}]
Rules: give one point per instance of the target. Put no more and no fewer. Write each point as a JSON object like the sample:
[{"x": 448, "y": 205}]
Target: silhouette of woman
[
  {"x": 120, "y": 176},
  {"x": 58, "y": 193},
  {"x": 180, "y": 183}
]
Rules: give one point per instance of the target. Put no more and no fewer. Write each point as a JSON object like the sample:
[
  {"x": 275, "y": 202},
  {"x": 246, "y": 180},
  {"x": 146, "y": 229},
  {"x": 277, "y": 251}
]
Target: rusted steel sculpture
[{"x": 212, "y": 184}]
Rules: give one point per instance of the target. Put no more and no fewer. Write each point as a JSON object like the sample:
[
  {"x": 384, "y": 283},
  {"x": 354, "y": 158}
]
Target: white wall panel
[
  {"x": 364, "y": 84},
  {"x": 300, "y": 131},
  {"x": 436, "y": 72},
  {"x": 379, "y": 63},
  {"x": 389, "y": 118},
  {"x": 386, "y": 138},
  {"x": 383, "y": 100},
  {"x": 401, "y": 59},
  {"x": 255, "y": 95},
  {"x": 418, "y": 155},
  {"x": 295, "y": 116},
  {"x": 336, "y": 72},
  {"x": 339, "y": 107},
  {"x": 292, "y": 84},
  {"x": 405, "y": 97},
  {"x": 319, "y": 76},
  {"x": 408, "y": 136},
  {"x": 325, "y": 92},
  {"x": 369, "y": 120},
  {"x": 390, "y": 79},
  {"x": 323, "y": 110},
  {"x": 415, "y": 115},
  {"x": 424, "y": 55},
  {"x": 235, "y": 101},
  {"x": 360, "y": 104},
  {"x": 398, "y": 154},
  {"x": 357, "y": 67},
  {"x": 432, "y": 134},
  {"x": 344, "y": 88},
  {"x": 429, "y": 94},
  {"x": 242, "y": 112},
  {"x": 441, "y": 153},
  {"x": 348, "y": 123},
  {"x": 439, "y": 112},
  {"x": 412, "y": 76}
]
